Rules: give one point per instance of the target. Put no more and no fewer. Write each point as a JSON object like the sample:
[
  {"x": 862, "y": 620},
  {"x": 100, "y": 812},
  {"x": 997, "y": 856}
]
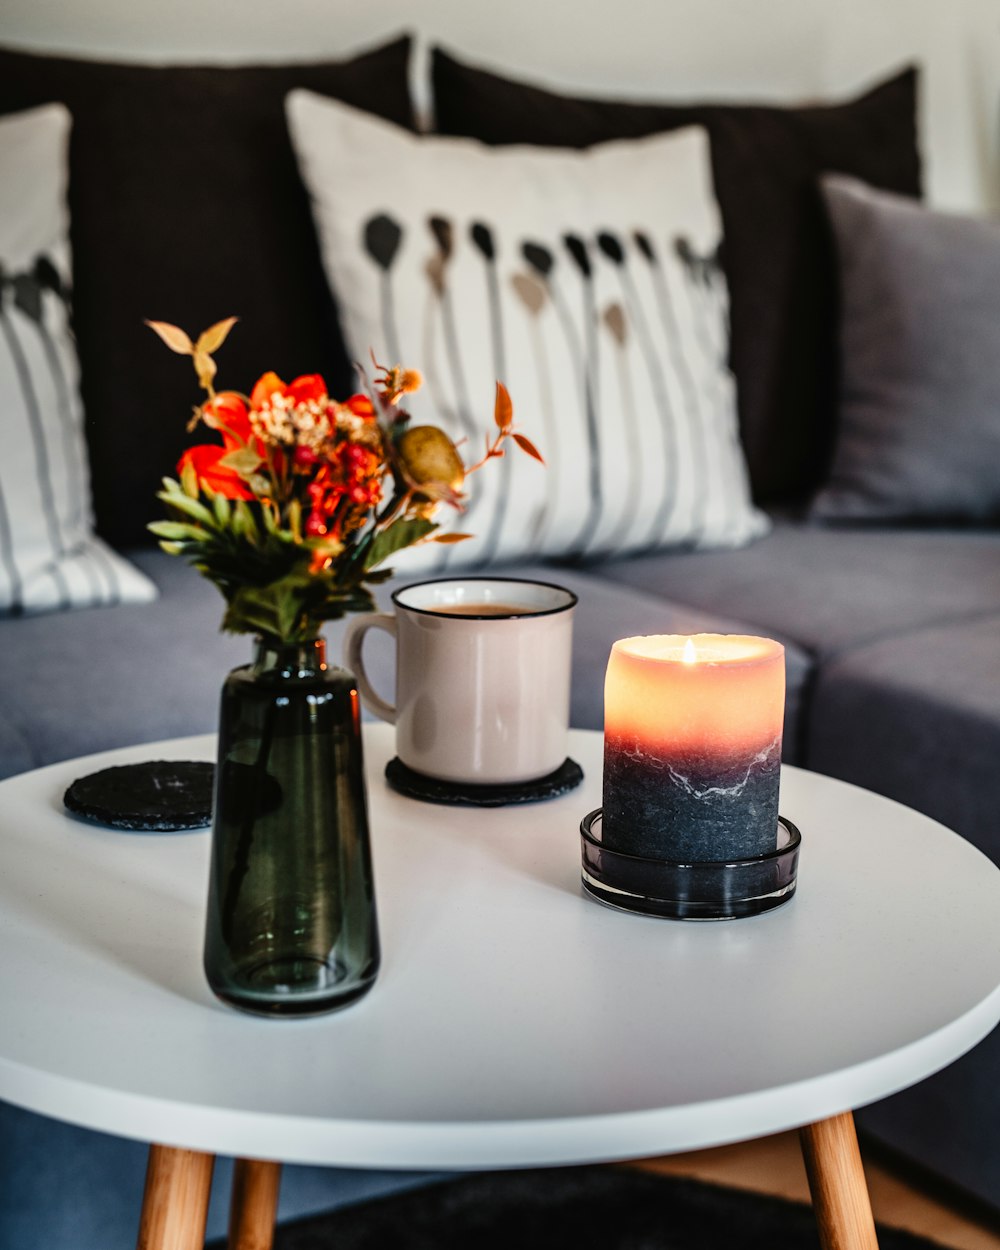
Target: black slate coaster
[
  {"x": 416, "y": 785},
  {"x": 158, "y": 795}
]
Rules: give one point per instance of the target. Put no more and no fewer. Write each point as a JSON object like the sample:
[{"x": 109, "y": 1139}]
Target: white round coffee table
[{"x": 515, "y": 1021}]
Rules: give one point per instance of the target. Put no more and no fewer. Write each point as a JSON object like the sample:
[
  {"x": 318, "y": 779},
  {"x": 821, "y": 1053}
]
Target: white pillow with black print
[
  {"x": 49, "y": 557},
  {"x": 587, "y": 281}
]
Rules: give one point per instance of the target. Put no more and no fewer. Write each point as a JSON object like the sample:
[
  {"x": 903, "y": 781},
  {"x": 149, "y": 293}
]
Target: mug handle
[{"x": 354, "y": 637}]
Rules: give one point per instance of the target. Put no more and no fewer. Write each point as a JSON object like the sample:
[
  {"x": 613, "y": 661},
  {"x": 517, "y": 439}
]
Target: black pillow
[
  {"x": 778, "y": 252},
  {"x": 186, "y": 206}
]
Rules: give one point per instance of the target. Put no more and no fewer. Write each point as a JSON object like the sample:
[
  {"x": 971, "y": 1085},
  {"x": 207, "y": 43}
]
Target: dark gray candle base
[
  {"x": 691, "y": 809},
  {"x": 708, "y": 890}
]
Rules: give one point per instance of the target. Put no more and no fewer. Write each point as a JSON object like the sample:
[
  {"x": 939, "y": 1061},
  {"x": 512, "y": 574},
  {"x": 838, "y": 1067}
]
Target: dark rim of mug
[{"x": 486, "y": 616}]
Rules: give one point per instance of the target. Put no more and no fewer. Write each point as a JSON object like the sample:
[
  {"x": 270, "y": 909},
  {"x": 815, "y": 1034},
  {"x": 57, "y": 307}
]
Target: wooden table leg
[
  {"x": 175, "y": 1204},
  {"x": 254, "y": 1204},
  {"x": 837, "y": 1183}
]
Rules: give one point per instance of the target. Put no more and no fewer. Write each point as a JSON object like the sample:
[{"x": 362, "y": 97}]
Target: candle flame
[{"x": 690, "y": 654}]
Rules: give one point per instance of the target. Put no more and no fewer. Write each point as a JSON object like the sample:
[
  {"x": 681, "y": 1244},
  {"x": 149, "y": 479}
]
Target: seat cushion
[
  {"x": 830, "y": 589},
  {"x": 115, "y": 675},
  {"x": 142, "y": 672},
  {"x": 917, "y": 718}
]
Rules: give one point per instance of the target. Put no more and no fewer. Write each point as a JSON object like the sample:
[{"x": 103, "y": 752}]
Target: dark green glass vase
[{"x": 291, "y": 924}]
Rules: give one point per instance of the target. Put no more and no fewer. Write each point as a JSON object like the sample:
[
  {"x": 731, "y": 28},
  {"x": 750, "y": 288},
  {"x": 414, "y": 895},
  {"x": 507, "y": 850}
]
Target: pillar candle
[{"x": 692, "y": 746}]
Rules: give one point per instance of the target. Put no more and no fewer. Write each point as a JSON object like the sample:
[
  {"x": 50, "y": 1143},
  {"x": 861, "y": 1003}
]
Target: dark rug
[{"x": 604, "y": 1208}]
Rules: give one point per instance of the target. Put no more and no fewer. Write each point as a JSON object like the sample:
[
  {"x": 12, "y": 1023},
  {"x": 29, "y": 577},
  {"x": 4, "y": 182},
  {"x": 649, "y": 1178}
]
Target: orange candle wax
[{"x": 692, "y": 746}]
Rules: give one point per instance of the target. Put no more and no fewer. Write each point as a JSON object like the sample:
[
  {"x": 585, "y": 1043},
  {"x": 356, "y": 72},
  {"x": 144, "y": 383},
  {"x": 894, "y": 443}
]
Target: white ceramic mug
[{"x": 482, "y": 677}]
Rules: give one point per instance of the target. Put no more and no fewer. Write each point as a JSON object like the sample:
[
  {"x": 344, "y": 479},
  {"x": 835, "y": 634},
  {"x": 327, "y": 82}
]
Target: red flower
[
  {"x": 227, "y": 413},
  {"x": 206, "y": 459},
  {"x": 309, "y": 386},
  {"x": 361, "y": 406}
]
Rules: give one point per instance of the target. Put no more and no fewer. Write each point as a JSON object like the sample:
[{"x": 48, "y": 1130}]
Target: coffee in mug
[{"x": 482, "y": 677}]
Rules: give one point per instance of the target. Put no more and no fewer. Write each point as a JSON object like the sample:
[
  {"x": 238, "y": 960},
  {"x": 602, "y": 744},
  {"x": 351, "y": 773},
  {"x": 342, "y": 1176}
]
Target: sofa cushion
[
  {"x": 131, "y": 673},
  {"x": 918, "y": 429},
  {"x": 142, "y": 672},
  {"x": 49, "y": 557},
  {"x": 507, "y": 263},
  {"x": 917, "y": 718},
  {"x": 778, "y": 253},
  {"x": 830, "y": 589},
  {"x": 186, "y": 206}
]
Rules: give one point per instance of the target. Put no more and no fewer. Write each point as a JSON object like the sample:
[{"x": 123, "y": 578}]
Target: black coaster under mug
[
  {"x": 414, "y": 785},
  {"x": 160, "y": 796}
]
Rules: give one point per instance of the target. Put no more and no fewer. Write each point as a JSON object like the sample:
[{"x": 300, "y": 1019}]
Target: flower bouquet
[{"x": 295, "y": 509}]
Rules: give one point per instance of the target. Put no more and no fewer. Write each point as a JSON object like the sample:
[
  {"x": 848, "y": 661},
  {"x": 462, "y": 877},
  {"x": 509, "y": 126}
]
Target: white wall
[{"x": 763, "y": 49}]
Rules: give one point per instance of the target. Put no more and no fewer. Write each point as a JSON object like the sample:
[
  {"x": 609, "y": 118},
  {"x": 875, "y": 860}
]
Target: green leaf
[
  {"x": 190, "y": 507},
  {"x": 275, "y": 609},
  {"x": 271, "y": 523},
  {"x": 244, "y": 460},
  {"x": 189, "y": 480},
  {"x": 357, "y": 600},
  {"x": 400, "y": 534},
  {"x": 244, "y": 524},
  {"x": 295, "y": 519},
  {"x": 175, "y": 530},
  {"x": 220, "y": 505}
]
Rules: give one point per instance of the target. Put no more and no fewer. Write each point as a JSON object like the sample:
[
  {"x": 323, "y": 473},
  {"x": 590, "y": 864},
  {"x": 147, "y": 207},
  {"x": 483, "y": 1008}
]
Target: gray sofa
[
  {"x": 892, "y": 635},
  {"x": 893, "y": 648}
]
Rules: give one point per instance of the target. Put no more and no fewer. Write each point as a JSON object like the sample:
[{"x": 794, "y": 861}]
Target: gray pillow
[{"x": 919, "y": 415}]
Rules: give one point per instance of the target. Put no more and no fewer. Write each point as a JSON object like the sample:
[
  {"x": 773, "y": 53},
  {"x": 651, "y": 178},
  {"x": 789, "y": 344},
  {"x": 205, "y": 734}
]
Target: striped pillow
[
  {"x": 587, "y": 281},
  {"x": 49, "y": 557}
]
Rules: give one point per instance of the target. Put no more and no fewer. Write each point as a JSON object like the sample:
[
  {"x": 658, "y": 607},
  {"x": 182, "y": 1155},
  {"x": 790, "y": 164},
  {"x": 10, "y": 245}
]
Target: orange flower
[
  {"x": 361, "y": 406},
  {"x": 205, "y": 459},
  {"x": 268, "y": 384}
]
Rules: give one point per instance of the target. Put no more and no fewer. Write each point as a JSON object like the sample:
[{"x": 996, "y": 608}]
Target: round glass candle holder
[{"x": 711, "y": 890}]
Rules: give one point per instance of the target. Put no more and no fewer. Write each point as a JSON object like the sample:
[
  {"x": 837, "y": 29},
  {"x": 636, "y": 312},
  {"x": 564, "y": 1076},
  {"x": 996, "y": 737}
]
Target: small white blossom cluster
[
  {"x": 281, "y": 420},
  {"x": 358, "y": 429},
  {"x": 311, "y": 423}
]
